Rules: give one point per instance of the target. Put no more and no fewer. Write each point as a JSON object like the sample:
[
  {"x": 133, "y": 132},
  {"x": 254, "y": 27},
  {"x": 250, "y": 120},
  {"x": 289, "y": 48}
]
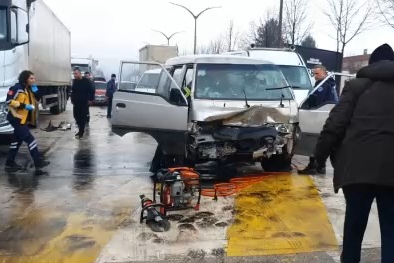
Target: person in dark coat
[
  {"x": 82, "y": 95},
  {"x": 89, "y": 76},
  {"x": 326, "y": 93},
  {"x": 109, "y": 94},
  {"x": 358, "y": 136}
]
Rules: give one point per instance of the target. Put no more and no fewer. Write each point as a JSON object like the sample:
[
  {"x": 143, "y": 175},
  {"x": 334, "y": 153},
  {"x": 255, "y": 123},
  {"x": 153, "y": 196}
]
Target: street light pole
[
  {"x": 167, "y": 37},
  {"x": 195, "y": 20},
  {"x": 280, "y": 23}
]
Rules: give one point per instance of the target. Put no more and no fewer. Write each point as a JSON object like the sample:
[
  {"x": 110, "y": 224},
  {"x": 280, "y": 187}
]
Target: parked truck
[
  {"x": 33, "y": 38},
  {"x": 158, "y": 53},
  {"x": 88, "y": 64}
]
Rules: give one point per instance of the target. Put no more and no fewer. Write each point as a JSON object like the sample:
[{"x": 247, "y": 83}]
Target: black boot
[
  {"x": 313, "y": 168},
  {"x": 41, "y": 164},
  {"x": 12, "y": 166}
]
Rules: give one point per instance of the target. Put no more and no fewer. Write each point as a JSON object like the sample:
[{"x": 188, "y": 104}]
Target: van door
[
  {"x": 162, "y": 109},
  {"x": 312, "y": 118}
]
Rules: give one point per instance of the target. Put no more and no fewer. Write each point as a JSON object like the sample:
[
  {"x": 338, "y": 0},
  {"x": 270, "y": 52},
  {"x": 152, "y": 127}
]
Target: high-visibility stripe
[
  {"x": 34, "y": 146},
  {"x": 33, "y": 142},
  {"x": 187, "y": 91}
]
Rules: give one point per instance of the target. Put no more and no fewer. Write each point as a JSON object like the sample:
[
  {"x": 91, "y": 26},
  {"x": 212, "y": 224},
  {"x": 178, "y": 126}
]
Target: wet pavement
[{"x": 85, "y": 208}]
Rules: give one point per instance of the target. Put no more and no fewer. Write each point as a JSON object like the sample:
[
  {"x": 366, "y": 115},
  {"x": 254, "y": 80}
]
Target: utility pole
[
  {"x": 280, "y": 23},
  {"x": 195, "y": 21},
  {"x": 167, "y": 37}
]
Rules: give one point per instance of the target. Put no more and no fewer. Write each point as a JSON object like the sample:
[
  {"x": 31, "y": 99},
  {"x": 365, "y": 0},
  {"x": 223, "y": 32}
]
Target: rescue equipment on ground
[
  {"x": 235, "y": 185},
  {"x": 156, "y": 220},
  {"x": 180, "y": 188}
]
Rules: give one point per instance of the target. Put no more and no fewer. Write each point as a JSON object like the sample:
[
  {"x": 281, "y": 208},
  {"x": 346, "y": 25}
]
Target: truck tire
[
  {"x": 55, "y": 110},
  {"x": 65, "y": 96},
  {"x": 63, "y": 99}
]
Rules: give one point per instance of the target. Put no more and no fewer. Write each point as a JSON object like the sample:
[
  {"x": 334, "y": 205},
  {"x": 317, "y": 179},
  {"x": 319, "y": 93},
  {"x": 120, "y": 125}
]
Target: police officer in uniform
[
  {"x": 326, "y": 93},
  {"x": 21, "y": 101}
]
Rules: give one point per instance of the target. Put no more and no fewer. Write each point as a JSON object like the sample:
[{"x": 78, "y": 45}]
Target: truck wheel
[
  {"x": 277, "y": 163},
  {"x": 55, "y": 110},
  {"x": 65, "y": 96},
  {"x": 63, "y": 100}
]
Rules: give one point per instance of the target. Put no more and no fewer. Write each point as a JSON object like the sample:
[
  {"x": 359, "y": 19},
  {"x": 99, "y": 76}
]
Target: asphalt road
[{"x": 85, "y": 206}]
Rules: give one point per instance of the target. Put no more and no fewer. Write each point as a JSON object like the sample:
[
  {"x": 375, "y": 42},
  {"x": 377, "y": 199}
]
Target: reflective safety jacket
[{"x": 17, "y": 98}]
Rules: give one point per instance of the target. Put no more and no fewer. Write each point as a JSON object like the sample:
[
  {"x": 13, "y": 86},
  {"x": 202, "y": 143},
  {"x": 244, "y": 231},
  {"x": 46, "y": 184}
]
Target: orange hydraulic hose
[{"x": 235, "y": 185}]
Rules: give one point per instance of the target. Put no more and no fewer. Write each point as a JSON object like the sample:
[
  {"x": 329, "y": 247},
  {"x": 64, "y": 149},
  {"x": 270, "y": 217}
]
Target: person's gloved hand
[
  {"x": 34, "y": 88},
  {"x": 29, "y": 107}
]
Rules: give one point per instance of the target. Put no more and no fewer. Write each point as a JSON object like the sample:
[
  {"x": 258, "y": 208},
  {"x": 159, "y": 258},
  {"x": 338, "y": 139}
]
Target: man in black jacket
[
  {"x": 82, "y": 95},
  {"x": 89, "y": 76},
  {"x": 359, "y": 138}
]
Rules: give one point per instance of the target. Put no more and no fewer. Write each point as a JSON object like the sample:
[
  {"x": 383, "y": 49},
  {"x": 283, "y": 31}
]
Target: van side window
[
  {"x": 177, "y": 76},
  {"x": 187, "y": 81}
]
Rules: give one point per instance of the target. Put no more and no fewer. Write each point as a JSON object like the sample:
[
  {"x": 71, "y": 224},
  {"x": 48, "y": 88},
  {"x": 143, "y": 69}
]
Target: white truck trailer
[
  {"x": 33, "y": 38},
  {"x": 158, "y": 53}
]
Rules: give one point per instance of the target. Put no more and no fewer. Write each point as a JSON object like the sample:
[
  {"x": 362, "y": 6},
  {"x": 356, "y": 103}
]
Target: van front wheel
[{"x": 277, "y": 163}]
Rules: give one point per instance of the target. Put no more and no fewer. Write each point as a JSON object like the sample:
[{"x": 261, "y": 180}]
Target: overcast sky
[{"x": 115, "y": 30}]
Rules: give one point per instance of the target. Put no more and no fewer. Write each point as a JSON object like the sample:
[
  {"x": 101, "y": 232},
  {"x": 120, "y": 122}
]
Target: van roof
[
  {"x": 286, "y": 57},
  {"x": 214, "y": 59}
]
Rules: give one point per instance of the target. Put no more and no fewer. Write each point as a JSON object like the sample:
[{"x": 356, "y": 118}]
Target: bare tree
[
  {"x": 232, "y": 37},
  {"x": 214, "y": 47},
  {"x": 297, "y": 24},
  {"x": 350, "y": 18},
  {"x": 386, "y": 10},
  {"x": 265, "y": 33}
]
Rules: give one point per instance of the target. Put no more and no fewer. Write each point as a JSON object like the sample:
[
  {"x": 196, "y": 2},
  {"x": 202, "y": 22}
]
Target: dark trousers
[
  {"x": 80, "y": 115},
  {"x": 88, "y": 116},
  {"x": 358, "y": 205},
  {"x": 109, "y": 107},
  {"x": 22, "y": 134}
]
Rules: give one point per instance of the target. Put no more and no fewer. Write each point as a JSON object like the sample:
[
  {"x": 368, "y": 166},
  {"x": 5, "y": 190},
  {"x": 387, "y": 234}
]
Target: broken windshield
[{"x": 235, "y": 81}]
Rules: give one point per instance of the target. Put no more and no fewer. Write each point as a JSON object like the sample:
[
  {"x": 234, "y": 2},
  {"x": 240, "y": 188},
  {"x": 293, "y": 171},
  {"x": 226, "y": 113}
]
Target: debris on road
[{"x": 64, "y": 125}]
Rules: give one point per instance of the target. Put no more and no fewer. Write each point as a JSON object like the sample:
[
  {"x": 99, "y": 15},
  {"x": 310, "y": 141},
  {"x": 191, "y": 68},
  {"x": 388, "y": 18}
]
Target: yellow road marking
[
  {"x": 49, "y": 236},
  {"x": 280, "y": 215}
]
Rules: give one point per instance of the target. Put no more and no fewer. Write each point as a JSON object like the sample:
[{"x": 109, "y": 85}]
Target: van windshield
[
  {"x": 234, "y": 82},
  {"x": 297, "y": 77}
]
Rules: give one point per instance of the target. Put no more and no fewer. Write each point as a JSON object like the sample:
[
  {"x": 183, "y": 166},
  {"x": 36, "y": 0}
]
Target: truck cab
[{"x": 13, "y": 38}]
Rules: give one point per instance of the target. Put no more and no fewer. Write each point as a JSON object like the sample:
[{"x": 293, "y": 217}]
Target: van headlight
[
  {"x": 283, "y": 128},
  {"x": 3, "y": 112}
]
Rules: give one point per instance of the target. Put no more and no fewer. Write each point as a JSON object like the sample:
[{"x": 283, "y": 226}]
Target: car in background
[
  {"x": 99, "y": 96},
  {"x": 149, "y": 81}
]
